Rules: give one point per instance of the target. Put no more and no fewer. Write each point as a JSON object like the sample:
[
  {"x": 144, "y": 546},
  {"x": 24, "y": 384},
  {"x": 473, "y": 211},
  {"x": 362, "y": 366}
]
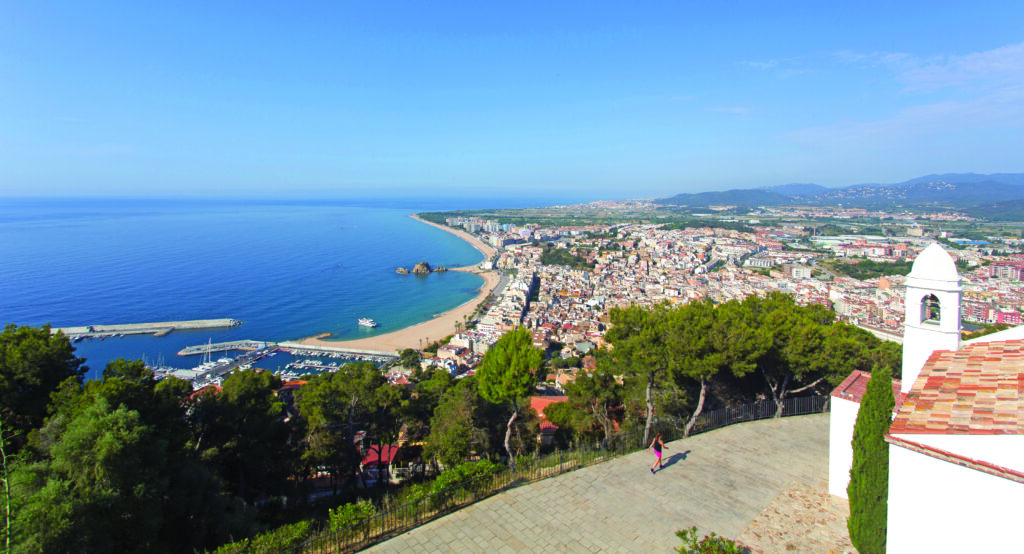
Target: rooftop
[
  {"x": 856, "y": 384},
  {"x": 935, "y": 264},
  {"x": 538, "y": 403},
  {"x": 976, "y": 390}
]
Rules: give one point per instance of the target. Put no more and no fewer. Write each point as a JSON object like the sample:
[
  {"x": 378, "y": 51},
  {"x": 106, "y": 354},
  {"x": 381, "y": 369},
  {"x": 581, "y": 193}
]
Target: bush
[
  {"x": 279, "y": 539},
  {"x": 710, "y": 544},
  {"x": 347, "y": 515},
  {"x": 442, "y": 487}
]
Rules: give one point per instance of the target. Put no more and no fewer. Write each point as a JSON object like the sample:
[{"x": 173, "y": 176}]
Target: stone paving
[{"x": 720, "y": 481}]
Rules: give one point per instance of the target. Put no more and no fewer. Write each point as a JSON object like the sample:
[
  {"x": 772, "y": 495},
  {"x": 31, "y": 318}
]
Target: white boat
[{"x": 367, "y": 322}]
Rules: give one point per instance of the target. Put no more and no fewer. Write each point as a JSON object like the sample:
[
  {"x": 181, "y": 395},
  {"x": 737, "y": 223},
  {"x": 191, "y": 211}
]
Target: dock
[
  {"x": 210, "y": 348},
  {"x": 311, "y": 350},
  {"x": 158, "y": 329}
]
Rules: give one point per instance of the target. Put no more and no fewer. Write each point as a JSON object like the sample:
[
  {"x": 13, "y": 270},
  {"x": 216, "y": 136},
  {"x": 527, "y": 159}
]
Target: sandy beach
[{"x": 421, "y": 334}]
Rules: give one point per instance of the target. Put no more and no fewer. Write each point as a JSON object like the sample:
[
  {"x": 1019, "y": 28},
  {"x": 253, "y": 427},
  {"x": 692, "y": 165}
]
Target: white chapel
[{"x": 956, "y": 444}]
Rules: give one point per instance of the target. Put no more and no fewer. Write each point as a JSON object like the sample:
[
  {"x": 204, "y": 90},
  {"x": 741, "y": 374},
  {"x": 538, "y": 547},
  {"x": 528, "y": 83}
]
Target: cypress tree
[{"x": 869, "y": 476}]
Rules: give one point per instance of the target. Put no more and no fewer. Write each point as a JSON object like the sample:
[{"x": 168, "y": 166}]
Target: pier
[
  {"x": 299, "y": 348},
  {"x": 158, "y": 329},
  {"x": 210, "y": 348}
]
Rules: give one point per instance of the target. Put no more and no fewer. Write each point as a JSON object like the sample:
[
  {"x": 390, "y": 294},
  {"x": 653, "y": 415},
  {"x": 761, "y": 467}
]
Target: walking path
[{"x": 720, "y": 481}]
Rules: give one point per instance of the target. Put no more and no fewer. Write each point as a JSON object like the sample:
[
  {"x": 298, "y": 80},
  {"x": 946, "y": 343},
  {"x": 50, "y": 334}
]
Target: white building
[{"x": 956, "y": 445}]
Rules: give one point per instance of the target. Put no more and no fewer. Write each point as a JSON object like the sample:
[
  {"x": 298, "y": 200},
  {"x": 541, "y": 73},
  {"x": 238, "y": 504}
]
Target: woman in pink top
[{"x": 657, "y": 445}]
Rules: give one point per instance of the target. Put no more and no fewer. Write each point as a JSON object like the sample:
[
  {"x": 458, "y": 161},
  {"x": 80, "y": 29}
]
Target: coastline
[
  {"x": 419, "y": 335},
  {"x": 484, "y": 248}
]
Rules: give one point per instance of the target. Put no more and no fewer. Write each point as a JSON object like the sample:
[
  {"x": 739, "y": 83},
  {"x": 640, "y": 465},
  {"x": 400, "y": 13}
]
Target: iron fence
[{"x": 394, "y": 521}]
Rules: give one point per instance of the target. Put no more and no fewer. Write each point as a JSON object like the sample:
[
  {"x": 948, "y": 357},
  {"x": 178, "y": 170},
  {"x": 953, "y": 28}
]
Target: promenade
[{"x": 754, "y": 481}]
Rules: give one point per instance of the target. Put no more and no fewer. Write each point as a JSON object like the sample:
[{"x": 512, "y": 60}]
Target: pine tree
[{"x": 869, "y": 476}]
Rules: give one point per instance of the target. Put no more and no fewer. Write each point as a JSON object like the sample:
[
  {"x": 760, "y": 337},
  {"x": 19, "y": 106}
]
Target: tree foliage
[
  {"x": 244, "y": 435},
  {"x": 869, "y": 475},
  {"x": 33, "y": 364},
  {"x": 336, "y": 406},
  {"x": 637, "y": 336},
  {"x": 593, "y": 407},
  {"x": 508, "y": 373},
  {"x": 808, "y": 350},
  {"x": 457, "y": 428},
  {"x": 112, "y": 472}
]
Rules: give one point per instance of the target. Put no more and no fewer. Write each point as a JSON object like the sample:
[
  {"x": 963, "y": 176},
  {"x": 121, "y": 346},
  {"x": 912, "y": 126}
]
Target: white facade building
[
  {"x": 845, "y": 403},
  {"x": 956, "y": 445},
  {"x": 932, "y": 320}
]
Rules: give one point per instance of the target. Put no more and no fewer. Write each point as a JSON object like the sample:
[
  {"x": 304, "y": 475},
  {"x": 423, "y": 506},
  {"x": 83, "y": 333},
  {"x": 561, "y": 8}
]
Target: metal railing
[{"x": 394, "y": 521}]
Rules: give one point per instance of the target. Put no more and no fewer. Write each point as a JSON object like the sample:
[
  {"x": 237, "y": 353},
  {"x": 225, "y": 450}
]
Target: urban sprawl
[{"x": 644, "y": 264}]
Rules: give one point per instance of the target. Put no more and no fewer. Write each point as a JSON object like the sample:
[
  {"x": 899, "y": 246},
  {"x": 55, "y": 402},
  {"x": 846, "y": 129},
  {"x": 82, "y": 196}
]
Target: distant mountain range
[{"x": 996, "y": 195}]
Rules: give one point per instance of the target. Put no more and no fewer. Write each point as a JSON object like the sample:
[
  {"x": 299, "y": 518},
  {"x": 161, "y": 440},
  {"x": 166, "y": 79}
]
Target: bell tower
[{"x": 932, "y": 311}]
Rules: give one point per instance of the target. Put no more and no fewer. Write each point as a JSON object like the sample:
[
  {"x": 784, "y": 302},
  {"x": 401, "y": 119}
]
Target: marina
[
  {"x": 306, "y": 360},
  {"x": 355, "y": 354},
  {"x": 223, "y": 347}
]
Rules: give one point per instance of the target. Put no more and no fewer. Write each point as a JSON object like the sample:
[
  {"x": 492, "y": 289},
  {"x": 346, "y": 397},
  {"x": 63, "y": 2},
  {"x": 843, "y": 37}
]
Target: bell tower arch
[{"x": 932, "y": 305}]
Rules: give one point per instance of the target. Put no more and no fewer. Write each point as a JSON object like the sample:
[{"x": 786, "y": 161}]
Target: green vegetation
[
  {"x": 121, "y": 464},
  {"x": 552, "y": 255},
  {"x": 593, "y": 408},
  {"x": 508, "y": 373},
  {"x": 125, "y": 462},
  {"x": 5, "y": 531},
  {"x": 869, "y": 269},
  {"x": 710, "y": 544},
  {"x": 986, "y": 329},
  {"x": 869, "y": 476},
  {"x": 673, "y": 354},
  {"x": 699, "y": 223},
  {"x": 33, "y": 364}
]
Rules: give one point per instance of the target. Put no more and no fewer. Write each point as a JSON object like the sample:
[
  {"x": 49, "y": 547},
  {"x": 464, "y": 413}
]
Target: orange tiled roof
[
  {"x": 977, "y": 390},
  {"x": 856, "y": 384},
  {"x": 538, "y": 403}
]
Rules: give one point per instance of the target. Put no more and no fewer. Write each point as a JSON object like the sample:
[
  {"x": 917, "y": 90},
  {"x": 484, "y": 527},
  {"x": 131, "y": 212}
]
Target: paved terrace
[{"x": 760, "y": 482}]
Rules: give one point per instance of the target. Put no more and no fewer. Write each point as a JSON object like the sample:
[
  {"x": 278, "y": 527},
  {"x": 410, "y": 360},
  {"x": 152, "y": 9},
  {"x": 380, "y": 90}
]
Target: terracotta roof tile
[
  {"x": 538, "y": 403},
  {"x": 854, "y": 387},
  {"x": 977, "y": 390}
]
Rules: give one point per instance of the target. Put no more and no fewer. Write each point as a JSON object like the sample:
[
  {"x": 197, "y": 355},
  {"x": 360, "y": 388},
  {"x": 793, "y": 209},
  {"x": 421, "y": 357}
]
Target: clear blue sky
[{"x": 601, "y": 99}]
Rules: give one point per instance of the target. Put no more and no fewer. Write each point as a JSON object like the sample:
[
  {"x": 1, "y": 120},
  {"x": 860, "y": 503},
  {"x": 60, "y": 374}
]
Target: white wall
[
  {"x": 1002, "y": 450},
  {"x": 841, "y": 419},
  {"x": 936, "y": 506},
  {"x": 918, "y": 345}
]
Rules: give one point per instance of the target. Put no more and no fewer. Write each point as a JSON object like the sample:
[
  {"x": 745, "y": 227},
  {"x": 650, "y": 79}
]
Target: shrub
[
  {"x": 869, "y": 474},
  {"x": 442, "y": 488},
  {"x": 284, "y": 537},
  {"x": 710, "y": 544},
  {"x": 347, "y": 515}
]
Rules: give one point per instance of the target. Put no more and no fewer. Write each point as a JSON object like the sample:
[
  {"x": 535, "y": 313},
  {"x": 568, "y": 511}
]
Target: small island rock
[
  {"x": 440, "y": 269},
  {"x": 402, "y": 271}
]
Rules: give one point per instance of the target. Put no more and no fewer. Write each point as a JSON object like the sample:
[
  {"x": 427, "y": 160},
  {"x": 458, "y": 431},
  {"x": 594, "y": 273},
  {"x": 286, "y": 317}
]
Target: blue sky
[{"x": 588, "y": 99}]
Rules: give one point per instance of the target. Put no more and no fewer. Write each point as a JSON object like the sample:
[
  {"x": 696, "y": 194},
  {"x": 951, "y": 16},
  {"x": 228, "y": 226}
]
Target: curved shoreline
[
  {"x": 419, "y": 335},
  {"x": 484, "y": 248}
]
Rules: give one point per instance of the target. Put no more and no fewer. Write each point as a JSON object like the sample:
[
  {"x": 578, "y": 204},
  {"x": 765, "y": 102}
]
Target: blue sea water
[{"x": 286, "y": 269}]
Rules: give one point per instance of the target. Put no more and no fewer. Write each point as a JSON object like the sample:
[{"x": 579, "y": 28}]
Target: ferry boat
[{"x": 367, "y": 322}]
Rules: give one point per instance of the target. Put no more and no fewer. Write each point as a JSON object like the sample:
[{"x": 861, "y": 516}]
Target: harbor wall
[{"x": 144, "y": 328}]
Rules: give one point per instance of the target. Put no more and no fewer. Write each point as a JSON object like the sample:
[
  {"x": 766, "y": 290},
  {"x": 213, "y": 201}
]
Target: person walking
[{"x": 657, "y": 445}]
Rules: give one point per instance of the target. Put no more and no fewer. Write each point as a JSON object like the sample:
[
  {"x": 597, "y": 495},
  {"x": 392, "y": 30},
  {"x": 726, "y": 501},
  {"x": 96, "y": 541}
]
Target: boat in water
[{"x": 367, "y": 322}]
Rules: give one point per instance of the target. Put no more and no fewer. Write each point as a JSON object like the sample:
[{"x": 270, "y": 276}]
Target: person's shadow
[{"x": 677, "y": 457}]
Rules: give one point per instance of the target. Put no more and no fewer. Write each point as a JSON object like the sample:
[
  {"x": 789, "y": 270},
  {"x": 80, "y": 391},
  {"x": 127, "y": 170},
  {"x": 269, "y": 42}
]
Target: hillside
[{"x": 960, "y": 191}]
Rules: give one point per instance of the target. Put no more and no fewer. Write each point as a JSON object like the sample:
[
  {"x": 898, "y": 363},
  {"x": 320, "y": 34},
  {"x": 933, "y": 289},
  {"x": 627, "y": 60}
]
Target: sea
[{"x": 286, "y": 268}]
